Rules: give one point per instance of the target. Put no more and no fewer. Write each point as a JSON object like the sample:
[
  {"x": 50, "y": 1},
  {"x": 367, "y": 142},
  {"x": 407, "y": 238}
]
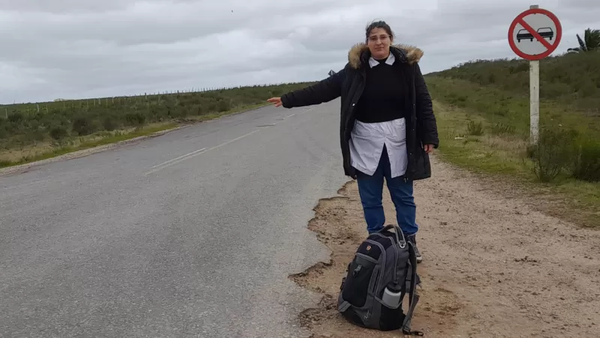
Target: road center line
[
  {"x": 235, "y": 139},
  {"x": 26, "y": 184},
  {"x": 177, "y": 158},
  {"x": 194, "y": 154}
]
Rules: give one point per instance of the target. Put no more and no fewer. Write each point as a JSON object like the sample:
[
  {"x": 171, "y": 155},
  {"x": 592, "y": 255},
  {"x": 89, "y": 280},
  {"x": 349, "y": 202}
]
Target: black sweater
[{"x": 384, "y": 96}]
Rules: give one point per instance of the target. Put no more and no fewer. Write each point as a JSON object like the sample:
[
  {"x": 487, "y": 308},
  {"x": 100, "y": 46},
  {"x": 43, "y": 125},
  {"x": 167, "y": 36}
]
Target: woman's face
[{"x": 379, "y": 43}]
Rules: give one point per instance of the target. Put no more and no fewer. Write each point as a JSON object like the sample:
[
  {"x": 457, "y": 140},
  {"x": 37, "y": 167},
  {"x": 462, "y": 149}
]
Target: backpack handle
[{"x": 402, "y": 244}]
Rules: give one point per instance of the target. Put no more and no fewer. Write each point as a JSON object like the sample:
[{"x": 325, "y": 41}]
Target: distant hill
[{"x": 572, "y": 79}]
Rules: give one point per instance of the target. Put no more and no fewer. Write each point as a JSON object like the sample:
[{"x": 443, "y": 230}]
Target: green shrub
[
  {"x": 58, "y": 133},
  {"x": 552, "y": 153},
  {"x": 109, "y": 123},
  {"x": 83, "y": 125},
  {"x": 475, "y": 128},
  {"x": 35, "y": 135},
  {"x": 456, "y": 99},
  {"x": 500, "y": 128},
  {"x": 586, "y": 164},
  {"x": 224, "y": 106},
  {"x": 16, "y": 118},
  {"x": 135, "y": 119}
]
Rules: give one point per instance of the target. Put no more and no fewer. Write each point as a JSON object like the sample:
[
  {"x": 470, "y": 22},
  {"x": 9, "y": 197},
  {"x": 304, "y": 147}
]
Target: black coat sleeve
[
  {"x": 426, "y": 120},
  {"x": 320, "y": 92}
]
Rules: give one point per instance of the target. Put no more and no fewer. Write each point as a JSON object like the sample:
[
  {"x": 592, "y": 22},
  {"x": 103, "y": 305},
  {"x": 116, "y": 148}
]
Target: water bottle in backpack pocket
[{"x": 391, "y": 298}]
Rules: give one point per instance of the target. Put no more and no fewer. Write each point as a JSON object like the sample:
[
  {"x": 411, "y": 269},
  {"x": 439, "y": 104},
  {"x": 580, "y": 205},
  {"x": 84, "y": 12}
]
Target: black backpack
[{"x": 383, "y": 271}]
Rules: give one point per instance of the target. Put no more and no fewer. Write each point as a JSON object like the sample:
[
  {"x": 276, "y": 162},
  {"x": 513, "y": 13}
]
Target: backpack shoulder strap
[{"x": 413, "y": 296}]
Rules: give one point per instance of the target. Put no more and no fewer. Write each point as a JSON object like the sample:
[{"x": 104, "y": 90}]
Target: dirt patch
[{"x": 493, "y": 267}]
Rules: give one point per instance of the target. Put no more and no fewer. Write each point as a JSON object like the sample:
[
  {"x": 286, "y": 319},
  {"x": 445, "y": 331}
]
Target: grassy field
[
  {"x": 31, "y": 132},
  {"x": 483, "y": 112}
]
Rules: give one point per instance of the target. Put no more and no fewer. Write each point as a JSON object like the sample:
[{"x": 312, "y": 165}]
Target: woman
[{"x": 387, "y": 125}]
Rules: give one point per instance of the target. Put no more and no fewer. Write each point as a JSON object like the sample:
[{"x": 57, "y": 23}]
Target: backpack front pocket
[{"x": 358, "y": 281}]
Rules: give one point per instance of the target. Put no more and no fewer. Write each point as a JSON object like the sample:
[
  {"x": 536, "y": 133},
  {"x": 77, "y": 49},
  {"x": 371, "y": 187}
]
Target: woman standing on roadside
[{"x": 387, "y": 125}]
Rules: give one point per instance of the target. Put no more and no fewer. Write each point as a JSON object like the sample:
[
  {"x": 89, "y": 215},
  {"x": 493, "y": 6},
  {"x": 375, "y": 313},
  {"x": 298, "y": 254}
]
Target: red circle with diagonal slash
[{"x": 550, "y": 47}]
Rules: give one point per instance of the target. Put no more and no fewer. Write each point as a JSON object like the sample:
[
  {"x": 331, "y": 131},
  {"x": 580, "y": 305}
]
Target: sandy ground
[{"x": 493, "y": 266}]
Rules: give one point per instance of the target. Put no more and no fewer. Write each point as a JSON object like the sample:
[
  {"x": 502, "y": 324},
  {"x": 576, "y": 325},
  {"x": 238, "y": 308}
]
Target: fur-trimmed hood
[{"x": 358, "y": 54}]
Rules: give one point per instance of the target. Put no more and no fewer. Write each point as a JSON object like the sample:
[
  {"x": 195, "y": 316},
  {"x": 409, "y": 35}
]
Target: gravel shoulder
[{"x": 493, "y": 265}]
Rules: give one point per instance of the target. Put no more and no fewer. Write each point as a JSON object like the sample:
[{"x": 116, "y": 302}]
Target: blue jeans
[{"x": 370, "y": 189}]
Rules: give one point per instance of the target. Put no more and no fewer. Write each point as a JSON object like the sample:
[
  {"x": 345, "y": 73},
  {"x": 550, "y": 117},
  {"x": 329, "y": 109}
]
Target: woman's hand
[
  {"x": 428, "y": 148},
  {"x": 276, "y": 101}
]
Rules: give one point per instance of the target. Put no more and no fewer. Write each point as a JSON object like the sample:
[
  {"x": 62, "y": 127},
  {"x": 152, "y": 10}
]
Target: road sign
[{"x": 535, "y": 34}]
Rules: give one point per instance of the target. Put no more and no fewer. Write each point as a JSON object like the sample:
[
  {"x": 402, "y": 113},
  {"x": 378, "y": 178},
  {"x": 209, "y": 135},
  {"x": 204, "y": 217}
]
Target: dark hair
[{"x": 378, "y": 24}]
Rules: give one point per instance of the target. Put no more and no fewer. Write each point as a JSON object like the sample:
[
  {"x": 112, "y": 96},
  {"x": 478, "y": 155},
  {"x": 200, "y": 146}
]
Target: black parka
[{"x": 349, "y": 83}]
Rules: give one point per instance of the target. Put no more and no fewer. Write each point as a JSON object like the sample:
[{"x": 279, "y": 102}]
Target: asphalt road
[{"x": 144, "y": 241}]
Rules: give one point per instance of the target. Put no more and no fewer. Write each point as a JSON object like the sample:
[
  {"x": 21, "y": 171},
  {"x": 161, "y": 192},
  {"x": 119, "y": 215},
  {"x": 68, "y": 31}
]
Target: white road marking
[
  {"x": 289, "y": 116},
  {"x": 22, "y": 185},
  {"x": 177, "y": 158},
  {"x": 235, "y": 139},
  {"x": 193, "y": 154}
]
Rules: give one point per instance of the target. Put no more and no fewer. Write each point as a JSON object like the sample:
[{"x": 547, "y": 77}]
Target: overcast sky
[{"x": 89, "y": 48}]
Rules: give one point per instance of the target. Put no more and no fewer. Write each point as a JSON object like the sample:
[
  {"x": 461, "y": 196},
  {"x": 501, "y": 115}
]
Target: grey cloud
[
  {"x": 83, "y": 48},
  {"x": 61, "y": 6}
]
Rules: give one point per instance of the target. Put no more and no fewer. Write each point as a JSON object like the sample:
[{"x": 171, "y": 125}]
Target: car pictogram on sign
[
  {"x": 545, "y": 32},
  {"x": 534, "y": 34}
]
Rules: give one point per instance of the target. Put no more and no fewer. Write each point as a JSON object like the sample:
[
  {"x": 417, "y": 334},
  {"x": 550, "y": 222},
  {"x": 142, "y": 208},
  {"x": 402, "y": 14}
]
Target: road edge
[{"x": 306, "y": 316}]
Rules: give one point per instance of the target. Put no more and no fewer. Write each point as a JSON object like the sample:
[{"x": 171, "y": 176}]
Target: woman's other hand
[{"x": 428, "y": 148}]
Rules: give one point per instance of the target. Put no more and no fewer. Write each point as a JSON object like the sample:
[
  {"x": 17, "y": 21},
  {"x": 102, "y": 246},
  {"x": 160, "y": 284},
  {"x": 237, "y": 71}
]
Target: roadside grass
[
  {"x": 486, "y": 130},
  {"x": 37, "y": 131},
  {"x": 43, "y": 151}
]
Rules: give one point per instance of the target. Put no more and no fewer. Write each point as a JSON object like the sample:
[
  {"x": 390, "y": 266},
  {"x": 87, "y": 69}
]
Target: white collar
[{"x": 390, "y": 60}]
